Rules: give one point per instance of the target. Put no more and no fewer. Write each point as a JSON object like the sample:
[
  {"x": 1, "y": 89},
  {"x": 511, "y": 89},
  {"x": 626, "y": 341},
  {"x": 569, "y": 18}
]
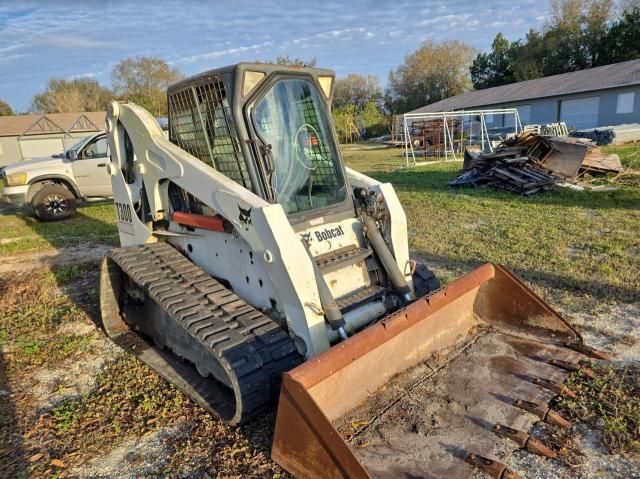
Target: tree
[
  {"x": 372, "y": 120},
  {"x": 622, "y": 43},
  {"x": 346, "y": 123},
  {"x": 5, "y": 109},
  {"x": 294, "y": 62},
  {"x": 144, "y": 80},
  {"x": 357, "y": 90},
  {"x": 580, "y": 34},
  {"x": 64, "y": 96},
  {"x": 526, "y": 57},
  {"x": 435, "y": 71},
  {"x": 575, "y": 35},
  {"x": 493, "y": 69}
]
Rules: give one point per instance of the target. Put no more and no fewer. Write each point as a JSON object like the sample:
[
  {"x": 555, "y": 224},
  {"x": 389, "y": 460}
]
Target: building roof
[
  {"x": 18, "y": 125},
  {"x": 598, "y": 78}
]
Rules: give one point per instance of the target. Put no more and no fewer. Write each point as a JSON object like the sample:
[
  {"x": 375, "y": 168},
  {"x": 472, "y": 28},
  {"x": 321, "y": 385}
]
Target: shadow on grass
[
  {"x": 596, "y": 288},
  {"x": 82, "y": 227},
  {"x": 12, "y": 453},
  {"x": 424, "y": 180}
]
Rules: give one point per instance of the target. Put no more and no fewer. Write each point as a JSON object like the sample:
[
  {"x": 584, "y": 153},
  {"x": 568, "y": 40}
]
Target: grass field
[
  {"x": 582, "y": 240},
  {"x": 79, "y": 406},
  {"x": 21, "y": 232}
]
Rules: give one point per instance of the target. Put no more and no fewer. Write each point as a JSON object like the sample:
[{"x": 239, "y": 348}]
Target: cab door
[{"x": 90, "y": 168}]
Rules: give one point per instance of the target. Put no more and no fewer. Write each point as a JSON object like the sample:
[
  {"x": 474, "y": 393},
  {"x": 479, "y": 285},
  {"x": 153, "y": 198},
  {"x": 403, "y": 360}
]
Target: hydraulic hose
[{"x": 389, "y": 264}]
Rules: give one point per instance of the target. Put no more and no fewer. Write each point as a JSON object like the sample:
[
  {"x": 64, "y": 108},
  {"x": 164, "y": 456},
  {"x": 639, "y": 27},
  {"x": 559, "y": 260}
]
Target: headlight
[{"x": 16, "y": 179}]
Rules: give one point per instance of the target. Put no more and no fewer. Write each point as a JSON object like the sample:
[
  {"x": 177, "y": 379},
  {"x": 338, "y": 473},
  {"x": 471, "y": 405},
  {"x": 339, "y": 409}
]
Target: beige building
[{"x": 23, "y": 137}]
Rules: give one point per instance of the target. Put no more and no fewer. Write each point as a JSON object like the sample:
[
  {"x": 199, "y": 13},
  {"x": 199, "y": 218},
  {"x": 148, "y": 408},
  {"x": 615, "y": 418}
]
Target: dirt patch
[
  {"x": 144, "y": 456},
  {"x": 48, "y": 386},
  {"x": 78, "y": 254},
  {"x": 613, "y": 326},
  {"x": 593, "y": 462}
]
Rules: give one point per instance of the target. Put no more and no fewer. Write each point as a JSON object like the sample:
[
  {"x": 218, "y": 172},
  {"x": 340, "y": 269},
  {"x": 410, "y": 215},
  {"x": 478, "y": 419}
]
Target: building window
[{"x": 625, "y": 103}]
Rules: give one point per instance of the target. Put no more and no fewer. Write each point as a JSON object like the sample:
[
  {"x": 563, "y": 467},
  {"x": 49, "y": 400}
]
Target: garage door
[
  {"x": 581, "y": 113},
  {"x": 39, "y": 147}
]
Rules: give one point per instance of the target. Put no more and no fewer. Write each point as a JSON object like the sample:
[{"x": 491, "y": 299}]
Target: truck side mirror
[{"x": 72, "y": 155}]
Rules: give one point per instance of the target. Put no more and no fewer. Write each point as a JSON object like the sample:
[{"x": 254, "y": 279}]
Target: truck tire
[{"x": 54, "y": 202}]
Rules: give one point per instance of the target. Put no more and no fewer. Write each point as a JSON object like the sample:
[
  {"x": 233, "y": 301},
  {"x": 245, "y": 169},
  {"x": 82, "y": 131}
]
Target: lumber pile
[
  {"x": 530, "y": 163},
  {"x": 568, "y": 157},
  {"x": 505, "y": 170}
]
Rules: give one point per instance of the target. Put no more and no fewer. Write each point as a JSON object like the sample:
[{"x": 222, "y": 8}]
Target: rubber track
[{"x": 249, "y": 345}]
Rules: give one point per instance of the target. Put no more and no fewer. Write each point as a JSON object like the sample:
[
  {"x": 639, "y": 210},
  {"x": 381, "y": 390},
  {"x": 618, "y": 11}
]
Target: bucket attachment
[{"x": 418, "y": 392}]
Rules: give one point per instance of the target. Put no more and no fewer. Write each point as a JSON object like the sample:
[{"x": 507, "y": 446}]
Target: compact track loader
[{"x": 253, "y": 262}]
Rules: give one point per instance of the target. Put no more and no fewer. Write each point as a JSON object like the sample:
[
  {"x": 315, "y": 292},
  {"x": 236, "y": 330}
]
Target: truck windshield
[{"x": 294, "y": 119}]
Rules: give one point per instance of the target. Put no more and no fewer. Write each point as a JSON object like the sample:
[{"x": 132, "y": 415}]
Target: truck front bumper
[{"x": 14, "y": 195}]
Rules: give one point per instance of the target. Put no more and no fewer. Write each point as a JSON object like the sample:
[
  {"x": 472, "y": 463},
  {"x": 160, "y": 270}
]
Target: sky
[{"x": 41, "y": 39}]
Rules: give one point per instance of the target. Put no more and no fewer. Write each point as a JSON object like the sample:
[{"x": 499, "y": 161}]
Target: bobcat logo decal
[
  {"x": 245, "y": 217},
  {"x": 306, "y": 237}
]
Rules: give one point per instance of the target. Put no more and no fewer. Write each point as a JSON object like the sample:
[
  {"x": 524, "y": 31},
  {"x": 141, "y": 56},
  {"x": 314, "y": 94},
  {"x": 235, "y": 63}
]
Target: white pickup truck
[{"x": 53, "y": 185}]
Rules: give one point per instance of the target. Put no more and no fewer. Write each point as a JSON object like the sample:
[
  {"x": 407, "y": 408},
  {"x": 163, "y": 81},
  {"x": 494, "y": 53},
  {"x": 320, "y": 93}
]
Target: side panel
[{"x": 230, "y": 258}]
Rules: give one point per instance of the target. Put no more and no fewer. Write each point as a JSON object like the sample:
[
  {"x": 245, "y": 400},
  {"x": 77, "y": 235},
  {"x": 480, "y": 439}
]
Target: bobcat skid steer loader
[{"x": 254, "y": 263}]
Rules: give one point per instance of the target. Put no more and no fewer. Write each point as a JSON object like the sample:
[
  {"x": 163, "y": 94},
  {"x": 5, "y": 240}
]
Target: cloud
[
  {"x": 86, "y": 75},
  {"x": 440, "y": 19},
  {"x": 77, "y": 41},
  {"x": 40, "y": 39},
  {"x": 225, "y": 53},
  {"x": 11, "y": 48},
  {"x": 7, "y": 59}
]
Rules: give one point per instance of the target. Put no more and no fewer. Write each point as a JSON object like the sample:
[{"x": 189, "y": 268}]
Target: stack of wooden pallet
[
  {"x": 519, "y": 174},
  {"x": 531, "y": 163}
]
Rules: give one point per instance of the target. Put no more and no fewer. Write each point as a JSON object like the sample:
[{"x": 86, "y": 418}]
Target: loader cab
[{"x": 269, "y": 128}]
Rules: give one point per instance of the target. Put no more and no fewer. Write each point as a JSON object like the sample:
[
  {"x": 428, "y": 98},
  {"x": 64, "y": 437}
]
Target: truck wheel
[{"x": 53, "y": 203}]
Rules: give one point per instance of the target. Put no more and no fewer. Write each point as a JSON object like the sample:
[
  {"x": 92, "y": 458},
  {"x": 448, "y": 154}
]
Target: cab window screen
[{"x": 200, "y": 122}]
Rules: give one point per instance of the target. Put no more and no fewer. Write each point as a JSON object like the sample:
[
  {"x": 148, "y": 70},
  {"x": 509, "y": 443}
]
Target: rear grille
[{"x": 200, "y": 122}]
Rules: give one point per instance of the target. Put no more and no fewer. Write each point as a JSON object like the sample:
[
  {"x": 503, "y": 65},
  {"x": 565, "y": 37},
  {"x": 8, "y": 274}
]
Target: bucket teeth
[
  {"x": 544, "y": 412},
  {"x": 493, "y": 468},
  {"x": 556, "y": 419},
  {"x": 588, "y": 351},
  {"x": 538, "y": 447},
  {"x": 554, "y": 386},
  {"x": 519, "y": 437},
  {"x": 524, "y": 440},
  {"x": 568, "y": 366}
]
